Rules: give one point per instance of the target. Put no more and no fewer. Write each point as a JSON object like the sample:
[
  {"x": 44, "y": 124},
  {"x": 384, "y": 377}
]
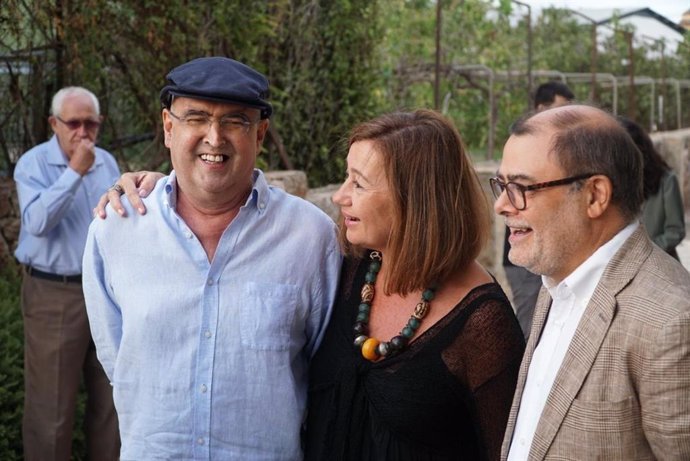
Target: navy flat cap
[{"x": 218, "y": 79}]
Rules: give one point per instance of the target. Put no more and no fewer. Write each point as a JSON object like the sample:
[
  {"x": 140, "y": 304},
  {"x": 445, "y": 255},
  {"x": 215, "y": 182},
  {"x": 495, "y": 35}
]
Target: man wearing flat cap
[{"x": 207, "y": 309}]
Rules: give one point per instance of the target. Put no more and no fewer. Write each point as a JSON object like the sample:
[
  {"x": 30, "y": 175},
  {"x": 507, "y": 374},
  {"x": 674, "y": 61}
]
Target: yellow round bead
[{"x": 369, "y": 349}]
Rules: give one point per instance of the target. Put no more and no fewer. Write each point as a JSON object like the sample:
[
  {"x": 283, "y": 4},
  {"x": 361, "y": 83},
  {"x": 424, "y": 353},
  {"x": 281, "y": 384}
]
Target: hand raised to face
[{"x": 83, "y": 157}]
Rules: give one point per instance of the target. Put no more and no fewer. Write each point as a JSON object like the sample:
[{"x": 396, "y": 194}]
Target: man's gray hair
[
  {"x": 590, "y": 140},
  {"x": 68, "y": 91}
]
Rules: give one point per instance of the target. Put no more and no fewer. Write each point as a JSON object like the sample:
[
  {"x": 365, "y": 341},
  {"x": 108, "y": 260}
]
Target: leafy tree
[
  {"x": 320, "y": 87},
  {"x": 330, "y": 63},
  {"x": 328, "y": 82}
]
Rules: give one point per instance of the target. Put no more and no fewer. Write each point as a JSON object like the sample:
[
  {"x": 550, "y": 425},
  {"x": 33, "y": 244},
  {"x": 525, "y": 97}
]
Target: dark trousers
[
  {"x": 57, "y": 350},
  {"x": 525, "y": 287}
]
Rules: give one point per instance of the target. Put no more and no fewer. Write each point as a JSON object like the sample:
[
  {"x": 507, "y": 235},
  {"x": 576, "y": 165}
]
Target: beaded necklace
[{"x": 373, "y": 349}]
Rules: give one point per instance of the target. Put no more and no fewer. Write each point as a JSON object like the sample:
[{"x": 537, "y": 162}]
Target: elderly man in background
[
  {"x": 207, "y": 310},
  {"x": 58, "y": 183},
  {"x": 606, "y": 372}
]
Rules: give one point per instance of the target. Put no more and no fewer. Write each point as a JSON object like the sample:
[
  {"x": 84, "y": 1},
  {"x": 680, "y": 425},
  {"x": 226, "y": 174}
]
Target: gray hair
[{"x": 68, "y": 91}]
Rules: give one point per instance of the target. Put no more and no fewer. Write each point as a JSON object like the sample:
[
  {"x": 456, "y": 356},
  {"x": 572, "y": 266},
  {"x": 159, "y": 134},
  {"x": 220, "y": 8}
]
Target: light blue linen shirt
[
  {"x": 56, "y": 206},
  {"x": 209, "y": 360}
]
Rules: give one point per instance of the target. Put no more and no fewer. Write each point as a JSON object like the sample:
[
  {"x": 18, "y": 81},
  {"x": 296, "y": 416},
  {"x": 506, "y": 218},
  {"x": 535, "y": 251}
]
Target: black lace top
[{"x": 445, "y": 397}]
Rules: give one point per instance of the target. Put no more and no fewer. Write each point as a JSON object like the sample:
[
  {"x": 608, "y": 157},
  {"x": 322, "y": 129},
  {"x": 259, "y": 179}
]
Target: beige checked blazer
[{"x": 623, "y": 390}]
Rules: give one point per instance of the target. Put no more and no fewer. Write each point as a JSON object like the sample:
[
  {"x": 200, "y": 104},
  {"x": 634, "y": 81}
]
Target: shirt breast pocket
[{"x": 267, "y": 316}]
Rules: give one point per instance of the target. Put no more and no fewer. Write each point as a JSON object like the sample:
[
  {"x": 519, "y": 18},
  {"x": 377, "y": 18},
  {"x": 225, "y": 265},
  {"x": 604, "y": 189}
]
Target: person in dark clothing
[
  {"x": 420, "y": 358},
  {"x": 552, "y": 94},
  {"x": 663, "y": 214}
]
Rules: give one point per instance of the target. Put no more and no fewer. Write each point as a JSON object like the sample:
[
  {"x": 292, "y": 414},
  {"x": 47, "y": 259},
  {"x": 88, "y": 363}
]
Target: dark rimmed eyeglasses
[
  {"x": 75, "y": 124},
  {"x": 516, "y": 192},
  {"x": 229, "y": 124}
]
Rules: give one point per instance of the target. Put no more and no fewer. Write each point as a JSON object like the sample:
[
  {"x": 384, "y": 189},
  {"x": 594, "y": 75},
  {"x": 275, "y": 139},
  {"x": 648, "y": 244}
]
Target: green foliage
[
  {"x": 331, "y": 63},
  {"x": 473, "y": 34},
  {"x": 328, "y": 82},
  {"x": 495, "y": 35},
  {"x": 11, "y": 365},
  {"x": 320, "y": 86},
  {"x": 571, "y": 52}
]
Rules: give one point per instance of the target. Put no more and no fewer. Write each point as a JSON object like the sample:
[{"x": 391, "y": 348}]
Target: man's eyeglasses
[
  {"x": 516, "y": 192},
  {"x": 89, "y": 124},
  {"x": 228, "y": 124}
]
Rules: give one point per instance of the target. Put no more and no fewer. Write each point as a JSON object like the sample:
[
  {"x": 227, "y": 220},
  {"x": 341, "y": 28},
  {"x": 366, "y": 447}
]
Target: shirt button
[
  {"x": 203, "y": 388},
  {"x": 210, "y": 282},
  {"x": 188, "y": 234},
  {"x": 207, "y": 334},
  {"x": 522, "y": 442},
  {"x": 262, "y": 205},
  {"x": 200, "y": 440}
]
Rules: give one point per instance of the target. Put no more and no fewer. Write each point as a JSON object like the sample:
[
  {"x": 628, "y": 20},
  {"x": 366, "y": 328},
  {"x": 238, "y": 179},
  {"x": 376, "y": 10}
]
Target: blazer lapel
[
  {"x": 541, "y": 312},
  {"x": 588, "y": 338},
  {"x": 576, "y": 365}
]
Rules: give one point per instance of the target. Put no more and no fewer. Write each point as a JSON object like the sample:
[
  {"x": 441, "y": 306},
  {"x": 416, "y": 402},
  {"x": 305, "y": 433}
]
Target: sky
[{"x": 671, "y": 9}]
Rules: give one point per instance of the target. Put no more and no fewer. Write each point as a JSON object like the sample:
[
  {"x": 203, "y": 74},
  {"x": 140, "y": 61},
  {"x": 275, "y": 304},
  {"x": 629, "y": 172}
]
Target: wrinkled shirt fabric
[{"x": 208, "y": 360}]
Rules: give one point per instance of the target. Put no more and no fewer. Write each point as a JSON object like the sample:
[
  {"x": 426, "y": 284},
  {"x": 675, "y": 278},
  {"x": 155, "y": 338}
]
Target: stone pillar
[
  {"x": 673, "y": 147},
  {"x": 321, "y": 197},
  {"x": 492, "y": 255},
  {"x": 291, "y": 181}
]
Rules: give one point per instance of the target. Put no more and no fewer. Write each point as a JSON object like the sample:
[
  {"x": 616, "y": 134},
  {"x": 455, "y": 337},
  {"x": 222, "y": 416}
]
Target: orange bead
[{"x": 369, "y": 349}]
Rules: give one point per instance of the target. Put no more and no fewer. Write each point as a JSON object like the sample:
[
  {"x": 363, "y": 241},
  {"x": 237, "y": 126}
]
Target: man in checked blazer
[{"x": 606, "y": 373}]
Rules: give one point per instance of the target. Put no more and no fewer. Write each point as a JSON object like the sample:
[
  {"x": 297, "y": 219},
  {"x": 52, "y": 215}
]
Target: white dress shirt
[{"x": 570, "y": 298}]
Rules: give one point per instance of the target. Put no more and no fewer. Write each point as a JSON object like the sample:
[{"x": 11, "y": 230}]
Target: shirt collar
[
  {"x": 258, "y": 197},
  {"x": 56, "y": 156},
  {"x": 583, "y": 281}
]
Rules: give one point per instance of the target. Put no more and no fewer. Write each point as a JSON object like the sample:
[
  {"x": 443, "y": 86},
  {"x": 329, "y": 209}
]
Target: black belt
[{"x": 32, "y": 271}]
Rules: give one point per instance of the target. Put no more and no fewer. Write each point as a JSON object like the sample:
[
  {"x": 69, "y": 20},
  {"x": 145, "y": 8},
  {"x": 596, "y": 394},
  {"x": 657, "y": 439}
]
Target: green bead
[
  {"x": 413, "y": 323},
  {"x": 407, "y": 332},
  {"x": 371, "y": 348}
]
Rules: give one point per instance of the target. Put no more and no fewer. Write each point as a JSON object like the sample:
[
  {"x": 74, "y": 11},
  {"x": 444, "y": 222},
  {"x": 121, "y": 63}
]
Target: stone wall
[{"x": 672, "y": 145}]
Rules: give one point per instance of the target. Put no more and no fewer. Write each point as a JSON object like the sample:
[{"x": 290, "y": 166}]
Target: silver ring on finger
[{"x": 117, "y": 188}]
